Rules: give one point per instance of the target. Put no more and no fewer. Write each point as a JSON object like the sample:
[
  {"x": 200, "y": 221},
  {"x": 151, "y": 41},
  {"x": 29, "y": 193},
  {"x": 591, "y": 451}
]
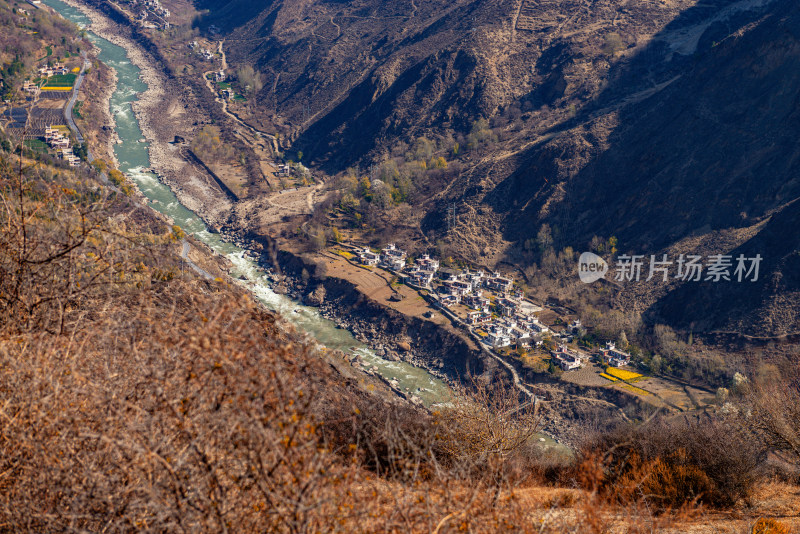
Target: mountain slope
[
  {"x": 669, "y": 126},
  {"x": 348, "y": 78},
  {"x": 711, "y": 154}
]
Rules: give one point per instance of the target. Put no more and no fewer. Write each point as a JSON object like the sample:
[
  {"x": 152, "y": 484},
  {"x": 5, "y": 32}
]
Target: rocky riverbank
[
  {"x": 441, "y": 350},
  {"x": 164, "y": 112},
  {"x": 97, "y": 123}
]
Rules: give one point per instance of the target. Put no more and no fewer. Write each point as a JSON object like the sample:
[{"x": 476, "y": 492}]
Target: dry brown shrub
[
  {"x": 669, "y": 464},
  {"x": 773, "y": 409},
  {"x": 767, "y": 525},
  {"x": 149, "y": 403}
]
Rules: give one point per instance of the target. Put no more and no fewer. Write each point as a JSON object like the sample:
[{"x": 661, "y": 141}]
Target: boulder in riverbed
[
  {"x": 280, "y": 288},
  {"x": 316, "y": 297}
]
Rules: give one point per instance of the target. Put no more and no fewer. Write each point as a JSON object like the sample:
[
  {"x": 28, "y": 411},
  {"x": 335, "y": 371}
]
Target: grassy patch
[
  {"x": 61, "y": 80},
  {"x": 49, "y": 51},
  {"x": 76, "y": 110},
  {"x": 36, "y": 144}
]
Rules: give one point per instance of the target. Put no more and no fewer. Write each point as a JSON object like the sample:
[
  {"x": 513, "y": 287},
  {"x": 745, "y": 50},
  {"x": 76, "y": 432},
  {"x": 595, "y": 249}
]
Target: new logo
[{"x": 591, "y": 267}]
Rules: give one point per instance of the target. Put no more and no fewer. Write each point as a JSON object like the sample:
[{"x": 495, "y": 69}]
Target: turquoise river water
[{"x": 133, "y": 157}]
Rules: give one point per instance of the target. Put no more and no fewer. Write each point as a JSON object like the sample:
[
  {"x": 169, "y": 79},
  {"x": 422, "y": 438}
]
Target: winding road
[
  {"x": 71, "y": 104},
  {"x": 224, "y": 103},
  {"x": 185, "y": 257}
]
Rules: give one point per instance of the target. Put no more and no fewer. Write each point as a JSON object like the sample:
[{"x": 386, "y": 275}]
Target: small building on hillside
[
  {"x": 367, "y": 257},
  {"x": 499, "y": 283},
  {"x": 393, "y": 258},
  {"x": 394, "y": 264},
  {"x": 613, "y": 356},
  {"x": 426, "y": 263},
  {"x": 31, "y": 88},
  {"x": 506, "y": 307},
  {"x": 498, "y": 340},
  {"x": 521, "y": 336},
  {"x": 566, "y": 359},
  {"x": 478, "y": 317},
  {"x": 447, "y": 275},
  {"x": 448, "y": 300},
  {"x": 421, "y": 277},
  {"x": 457, "y": 287},
  {"x": 476, "y": 301},
  {"x": 474, "y": 278}
]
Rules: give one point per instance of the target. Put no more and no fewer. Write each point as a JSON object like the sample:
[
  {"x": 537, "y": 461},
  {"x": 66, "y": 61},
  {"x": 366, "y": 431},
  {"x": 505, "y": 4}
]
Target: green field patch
[
  {"x": 61, "y": 80},
  {"x": 36, "y": 144},
  {"x": 223, "y": 85},
  {"x": 76, "y": 110},
  {"x": 49, "y": 50}
]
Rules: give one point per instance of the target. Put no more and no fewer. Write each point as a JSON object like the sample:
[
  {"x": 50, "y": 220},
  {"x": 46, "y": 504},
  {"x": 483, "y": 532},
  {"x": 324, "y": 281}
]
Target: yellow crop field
[
  {"x": 346, "y": 255},
  {"x": 608, "y": 377},
  {"x": 622, "y": 374},
  {"x": 56, "y": 88},
  {"x": 634, "y": 389}
]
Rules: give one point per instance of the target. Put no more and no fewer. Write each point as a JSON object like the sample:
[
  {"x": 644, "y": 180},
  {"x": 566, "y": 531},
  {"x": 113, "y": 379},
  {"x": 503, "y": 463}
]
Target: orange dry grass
[{"x": 143, "y": 401}]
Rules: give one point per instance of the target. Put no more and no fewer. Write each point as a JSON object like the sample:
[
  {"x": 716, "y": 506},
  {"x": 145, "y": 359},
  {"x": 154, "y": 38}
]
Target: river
[{"x": 133, "y": 157}]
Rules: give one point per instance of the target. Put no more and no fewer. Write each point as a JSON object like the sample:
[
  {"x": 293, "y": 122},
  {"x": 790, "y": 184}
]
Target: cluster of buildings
[
  {"x": 569, "y": 360},
  {"x": 61, "y": 144},
  {"x": 496, "y": 311},
  {"x": 521, "y": 331},
  {"x": 52, "y": 70},
  {"x": 150, "y": 13},
  {"x": 205, "y": 53}
]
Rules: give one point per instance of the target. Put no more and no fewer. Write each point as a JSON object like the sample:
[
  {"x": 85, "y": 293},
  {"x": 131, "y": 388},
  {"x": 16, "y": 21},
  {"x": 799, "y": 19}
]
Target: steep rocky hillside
[
  {"x": 668, "y": 125},
  {"x": 350, "y": 77},
  {"x": 709, "y": 164}
]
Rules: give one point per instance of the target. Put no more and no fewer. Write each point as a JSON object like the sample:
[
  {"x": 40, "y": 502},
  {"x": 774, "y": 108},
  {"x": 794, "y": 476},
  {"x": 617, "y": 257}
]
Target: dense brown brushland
[{"x": 136, "y": 397}]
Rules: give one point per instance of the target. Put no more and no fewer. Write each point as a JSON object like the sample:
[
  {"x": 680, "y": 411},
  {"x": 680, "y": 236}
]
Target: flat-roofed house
[
  {"x": 426, "y": 263},
  {"x": 367, "y": 257},
  {"x": 499, "y": 283},
  {"x": 421, "y": 277},
  {"x": 506, "y": 307}
]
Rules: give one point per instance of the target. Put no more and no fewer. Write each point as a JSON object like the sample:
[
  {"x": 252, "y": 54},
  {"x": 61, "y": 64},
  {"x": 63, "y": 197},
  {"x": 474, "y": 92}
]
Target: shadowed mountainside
[{"x": 671, "y": 127}]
